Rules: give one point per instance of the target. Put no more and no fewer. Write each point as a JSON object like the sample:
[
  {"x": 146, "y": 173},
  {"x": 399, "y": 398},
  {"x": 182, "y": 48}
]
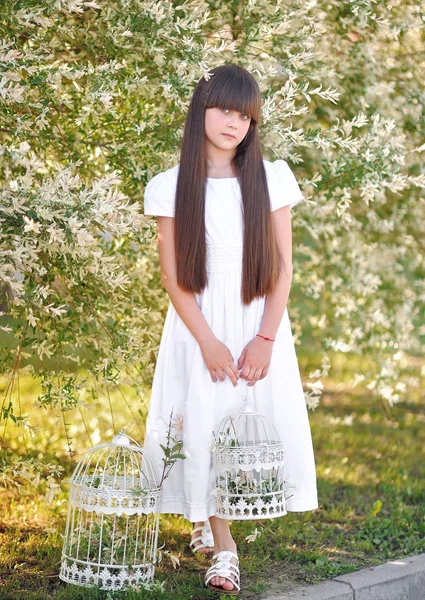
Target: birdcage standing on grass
[
  {"x": 248, "y": 461},
  {"x": 113, "y": 517}
]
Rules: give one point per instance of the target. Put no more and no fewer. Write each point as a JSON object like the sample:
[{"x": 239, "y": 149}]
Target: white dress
[{"x": 182, "y": 380}]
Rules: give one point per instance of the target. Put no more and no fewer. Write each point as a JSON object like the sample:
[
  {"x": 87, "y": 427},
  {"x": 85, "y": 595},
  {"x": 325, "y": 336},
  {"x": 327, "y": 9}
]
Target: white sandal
[
  {"x": 206, "y": 538},
  {"x": 222, "y": 567}
]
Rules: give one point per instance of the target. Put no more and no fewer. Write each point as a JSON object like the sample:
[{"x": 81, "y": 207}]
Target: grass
[{"x": 372, "y": 508}]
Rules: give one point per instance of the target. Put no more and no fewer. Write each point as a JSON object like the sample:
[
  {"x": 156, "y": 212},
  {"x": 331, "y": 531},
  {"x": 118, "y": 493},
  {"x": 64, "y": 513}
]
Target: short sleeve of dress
[
  {"x": 159, "y": 196},
  {"x": 284, "y": 189}
]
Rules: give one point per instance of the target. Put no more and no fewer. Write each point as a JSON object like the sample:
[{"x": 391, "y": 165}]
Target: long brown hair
[{"x": 233, "y": 87}]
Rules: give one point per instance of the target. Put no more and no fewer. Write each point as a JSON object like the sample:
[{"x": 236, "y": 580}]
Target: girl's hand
[
  {"x": 255, "y": 360},
  {"x": 219, "y": 360}
]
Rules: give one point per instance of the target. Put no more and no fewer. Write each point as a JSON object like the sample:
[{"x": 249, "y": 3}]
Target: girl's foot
[
  {"x": 226, "y": 582},
  {"x": 202, "y": 540}
]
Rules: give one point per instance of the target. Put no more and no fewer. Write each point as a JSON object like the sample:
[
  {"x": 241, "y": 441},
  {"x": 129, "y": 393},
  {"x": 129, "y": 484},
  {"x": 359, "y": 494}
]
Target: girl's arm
[
  {"x": 276, "y": 301},
  {"x": 183, "y": 301},
  {"x": 217, "y": 356}
]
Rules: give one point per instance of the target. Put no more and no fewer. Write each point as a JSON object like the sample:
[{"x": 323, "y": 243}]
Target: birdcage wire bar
[
  {"x": 111, "y": 533},
  {"x": 248, "y": 461}
]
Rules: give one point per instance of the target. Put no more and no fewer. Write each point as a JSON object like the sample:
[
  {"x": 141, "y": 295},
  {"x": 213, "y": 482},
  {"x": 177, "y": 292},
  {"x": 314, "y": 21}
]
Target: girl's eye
[{"x": 244, "y": 115}]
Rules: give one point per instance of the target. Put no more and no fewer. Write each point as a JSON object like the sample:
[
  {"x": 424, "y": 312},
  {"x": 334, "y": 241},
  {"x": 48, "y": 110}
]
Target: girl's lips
[{"x": 230, "y": 136}]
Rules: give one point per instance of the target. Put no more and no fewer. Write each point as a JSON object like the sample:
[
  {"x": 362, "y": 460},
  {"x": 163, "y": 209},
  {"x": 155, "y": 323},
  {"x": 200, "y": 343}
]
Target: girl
[{"x": 224, "y": 234}]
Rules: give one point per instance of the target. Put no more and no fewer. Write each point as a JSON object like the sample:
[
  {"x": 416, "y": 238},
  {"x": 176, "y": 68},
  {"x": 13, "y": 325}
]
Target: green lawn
[{"x": 371, "y": 478}]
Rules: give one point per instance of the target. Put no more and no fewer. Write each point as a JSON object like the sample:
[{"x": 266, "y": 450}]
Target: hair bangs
[{"x": 233, "y": 88}]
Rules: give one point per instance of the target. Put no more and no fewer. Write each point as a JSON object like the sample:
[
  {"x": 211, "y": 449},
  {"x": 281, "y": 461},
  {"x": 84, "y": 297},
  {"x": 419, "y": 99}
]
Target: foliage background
[{"x": 93, "y": 98}]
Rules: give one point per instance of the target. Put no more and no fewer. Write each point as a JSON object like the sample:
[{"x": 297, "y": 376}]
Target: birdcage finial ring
[
  {"x": 122, "y": 439},
  {"x": 245, "y": 399}
]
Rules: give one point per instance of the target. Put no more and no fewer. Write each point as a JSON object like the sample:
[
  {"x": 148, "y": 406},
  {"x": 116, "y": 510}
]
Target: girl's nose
[{"x": 232, "y": 120}]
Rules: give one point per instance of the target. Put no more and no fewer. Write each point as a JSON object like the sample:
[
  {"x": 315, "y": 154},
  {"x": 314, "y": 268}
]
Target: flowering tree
[{"x": 93, "y": 99}]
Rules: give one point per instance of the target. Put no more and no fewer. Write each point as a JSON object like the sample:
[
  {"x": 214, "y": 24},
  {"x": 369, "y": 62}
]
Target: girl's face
[{"x": 221, "y": 121}]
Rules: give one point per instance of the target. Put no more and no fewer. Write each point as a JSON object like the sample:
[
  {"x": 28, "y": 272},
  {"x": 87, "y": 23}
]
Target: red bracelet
[{"x": 265, "y": 338}]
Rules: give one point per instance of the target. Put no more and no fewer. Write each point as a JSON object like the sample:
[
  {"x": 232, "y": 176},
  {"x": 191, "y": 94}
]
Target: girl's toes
[{"x": 227, "y": 585}]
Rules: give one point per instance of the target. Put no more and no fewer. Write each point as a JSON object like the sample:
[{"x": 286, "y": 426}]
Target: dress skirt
[{"x": 182, "y": 383}]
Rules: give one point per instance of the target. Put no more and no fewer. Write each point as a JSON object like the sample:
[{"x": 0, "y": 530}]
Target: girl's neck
[
  {"x": 220, "y": 168},
  {"x": 219, "y": 161}
]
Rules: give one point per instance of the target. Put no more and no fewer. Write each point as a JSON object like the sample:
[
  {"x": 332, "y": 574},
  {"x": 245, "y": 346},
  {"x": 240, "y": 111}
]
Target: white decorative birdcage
[
  {"x": 113, "y": 517},
  {"x": 248, "y": 460}
]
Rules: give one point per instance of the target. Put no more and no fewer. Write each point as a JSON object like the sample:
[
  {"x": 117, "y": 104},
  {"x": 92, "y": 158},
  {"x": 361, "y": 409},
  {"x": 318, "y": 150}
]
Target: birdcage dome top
[
  {"x": 246, "y": 428},
  {"x": 120, "y": 465}
]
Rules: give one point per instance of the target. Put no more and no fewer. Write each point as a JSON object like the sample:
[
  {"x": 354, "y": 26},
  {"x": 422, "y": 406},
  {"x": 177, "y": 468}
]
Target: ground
[{"x": 372, "y": 508}]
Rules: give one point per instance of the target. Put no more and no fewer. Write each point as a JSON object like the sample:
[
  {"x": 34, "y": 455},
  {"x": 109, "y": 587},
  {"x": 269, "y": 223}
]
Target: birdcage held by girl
[
  {"x": 113, "y": 517},
  {"x": 248, "y": 461}
]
